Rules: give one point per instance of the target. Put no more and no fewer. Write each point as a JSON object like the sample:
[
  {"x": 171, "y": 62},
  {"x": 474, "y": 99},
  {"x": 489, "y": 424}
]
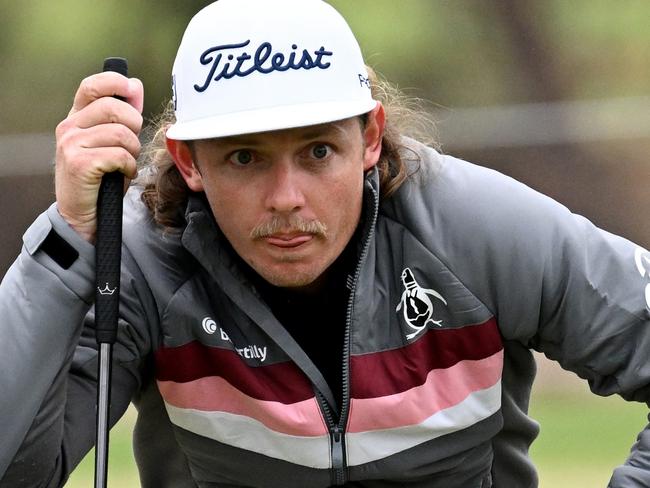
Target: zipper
[
  {"x": 339, "y": 466},
  {"x": 337, "y": 429},
  {"x": 337, "y": 443}
]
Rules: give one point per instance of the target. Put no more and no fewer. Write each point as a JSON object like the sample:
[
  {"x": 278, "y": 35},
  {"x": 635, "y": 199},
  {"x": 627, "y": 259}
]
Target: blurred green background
[
  {"x": 456, "y": 53},
  {"x": 553, "y": 92}
]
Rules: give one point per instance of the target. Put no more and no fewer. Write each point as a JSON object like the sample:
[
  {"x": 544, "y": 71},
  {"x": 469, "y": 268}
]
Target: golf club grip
[{"x": 108, "y": 247}]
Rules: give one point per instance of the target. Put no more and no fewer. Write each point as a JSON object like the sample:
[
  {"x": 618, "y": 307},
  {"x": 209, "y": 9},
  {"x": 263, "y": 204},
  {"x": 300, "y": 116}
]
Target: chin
[
  {"x": 297, "y": 272},
  {"x": 290, "y": 277},
  {"x": 291, "y": 281}
]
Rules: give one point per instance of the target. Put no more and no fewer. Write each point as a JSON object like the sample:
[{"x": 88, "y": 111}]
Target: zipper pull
[
  {"x": 338, "y": 456},
  {"x": 338, "y": 451}
]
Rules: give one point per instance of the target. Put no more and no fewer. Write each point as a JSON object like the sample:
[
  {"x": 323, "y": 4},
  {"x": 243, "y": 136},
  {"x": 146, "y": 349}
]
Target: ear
[
  {"x": 373, "y": 135},
  {"x": 182, "y": 156}
]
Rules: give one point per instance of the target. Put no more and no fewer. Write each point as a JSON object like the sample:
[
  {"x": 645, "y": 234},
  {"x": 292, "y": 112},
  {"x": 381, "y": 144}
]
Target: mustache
[{"x": 287, "y": 226}]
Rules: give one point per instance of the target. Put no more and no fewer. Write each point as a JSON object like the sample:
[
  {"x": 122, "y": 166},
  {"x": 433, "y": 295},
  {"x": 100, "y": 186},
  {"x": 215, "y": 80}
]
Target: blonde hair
[{"x": 165, "y": 192}]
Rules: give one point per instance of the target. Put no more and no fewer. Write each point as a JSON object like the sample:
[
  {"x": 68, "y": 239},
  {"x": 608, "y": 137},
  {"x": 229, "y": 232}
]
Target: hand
[{"x": 100, "y": 135}]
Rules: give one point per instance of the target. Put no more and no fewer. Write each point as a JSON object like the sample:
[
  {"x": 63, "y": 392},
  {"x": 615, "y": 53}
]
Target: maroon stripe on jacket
[
  {"x": 281, "y": 382},
  {"x": 397, "y": 370}
]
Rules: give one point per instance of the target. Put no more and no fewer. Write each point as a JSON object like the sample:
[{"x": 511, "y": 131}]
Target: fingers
[
  {"x": 103, "y": 135},
  {"x": 100, "y": 135},
  {"x": 99, "y": 149},
  {"x": 98, "y": 120},
  {"x": 107, "y": 110},
  {"x": 95, "y": 102},
  {"x": 108, "y": 84},
  {"x": 109, "y": 135}
]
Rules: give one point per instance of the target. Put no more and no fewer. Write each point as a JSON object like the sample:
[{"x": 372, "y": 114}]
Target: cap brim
[{"x": 268, "y": 119}]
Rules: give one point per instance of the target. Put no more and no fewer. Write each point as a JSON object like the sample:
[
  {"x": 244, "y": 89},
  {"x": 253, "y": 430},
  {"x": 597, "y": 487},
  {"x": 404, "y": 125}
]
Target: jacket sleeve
[
  {"x": 556, "y": 283},
  {"x": 48, "y": 358},
  {"x": 593, "y": 317}
]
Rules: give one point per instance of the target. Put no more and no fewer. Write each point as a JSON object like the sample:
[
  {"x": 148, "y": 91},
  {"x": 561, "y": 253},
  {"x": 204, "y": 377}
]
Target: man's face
[{"x": 288, "y": 201}]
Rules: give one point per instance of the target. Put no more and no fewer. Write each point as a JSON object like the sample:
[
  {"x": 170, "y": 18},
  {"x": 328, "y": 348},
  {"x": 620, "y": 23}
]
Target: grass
[
  {"x": 583, "y": 438},
  {"x": 122, "y": 471}
]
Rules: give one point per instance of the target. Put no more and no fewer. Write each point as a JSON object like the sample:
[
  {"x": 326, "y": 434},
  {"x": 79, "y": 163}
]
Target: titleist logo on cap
[{"x": 263, "y": 61}]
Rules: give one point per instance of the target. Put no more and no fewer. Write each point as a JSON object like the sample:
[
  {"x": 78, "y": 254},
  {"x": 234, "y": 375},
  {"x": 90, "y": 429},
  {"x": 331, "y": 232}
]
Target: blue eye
[
  {"x": 320, "y": 151},
  {"x": 241, "y": 158}
]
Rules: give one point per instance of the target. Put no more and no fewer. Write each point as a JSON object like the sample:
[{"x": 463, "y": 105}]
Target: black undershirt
[{"x": 316, "y": 321}]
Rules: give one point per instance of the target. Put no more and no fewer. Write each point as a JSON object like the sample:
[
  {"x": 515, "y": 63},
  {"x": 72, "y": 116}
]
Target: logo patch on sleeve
[{"x": 642, "y": 261}]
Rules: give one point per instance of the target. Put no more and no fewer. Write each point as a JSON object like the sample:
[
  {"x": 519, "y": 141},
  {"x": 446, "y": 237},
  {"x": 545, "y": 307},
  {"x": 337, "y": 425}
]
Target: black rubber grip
[{"x": 108, "y": 243}]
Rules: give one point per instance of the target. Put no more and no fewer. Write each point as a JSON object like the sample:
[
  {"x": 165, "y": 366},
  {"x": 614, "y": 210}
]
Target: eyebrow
[
  {"x": 306, "y": 133},
  {"x": 318, "y": 130}
]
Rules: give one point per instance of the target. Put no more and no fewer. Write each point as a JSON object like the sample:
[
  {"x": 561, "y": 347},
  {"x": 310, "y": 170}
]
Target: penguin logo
[{"x": 417, "y": 305}]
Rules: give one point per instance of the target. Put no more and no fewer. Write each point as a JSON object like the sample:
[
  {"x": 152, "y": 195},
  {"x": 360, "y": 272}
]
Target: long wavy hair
[{"x": 165, "y": 192}]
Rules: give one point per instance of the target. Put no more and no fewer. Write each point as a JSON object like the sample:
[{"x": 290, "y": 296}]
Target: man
[{"x": 308, "y": 299}]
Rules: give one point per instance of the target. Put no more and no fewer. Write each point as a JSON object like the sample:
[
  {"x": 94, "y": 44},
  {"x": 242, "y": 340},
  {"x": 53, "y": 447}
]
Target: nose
[{"x": 285, "y": 189}]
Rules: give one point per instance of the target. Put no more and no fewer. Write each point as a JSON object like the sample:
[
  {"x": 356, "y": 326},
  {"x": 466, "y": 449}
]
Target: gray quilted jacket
[{"x": 461, "y": 274}]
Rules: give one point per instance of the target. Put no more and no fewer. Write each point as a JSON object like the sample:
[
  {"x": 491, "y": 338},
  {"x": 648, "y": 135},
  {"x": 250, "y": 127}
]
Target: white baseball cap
[{"x": 248, "y": 66}]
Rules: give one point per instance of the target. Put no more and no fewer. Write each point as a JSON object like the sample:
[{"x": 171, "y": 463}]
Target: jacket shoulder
[
  {"x": 158, "y": 252},
  {"x": 444, "y": 190}
]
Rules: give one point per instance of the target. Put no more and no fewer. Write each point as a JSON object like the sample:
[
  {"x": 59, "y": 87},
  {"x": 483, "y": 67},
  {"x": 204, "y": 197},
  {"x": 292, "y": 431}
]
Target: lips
[{"x": 288, "y": 240}]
